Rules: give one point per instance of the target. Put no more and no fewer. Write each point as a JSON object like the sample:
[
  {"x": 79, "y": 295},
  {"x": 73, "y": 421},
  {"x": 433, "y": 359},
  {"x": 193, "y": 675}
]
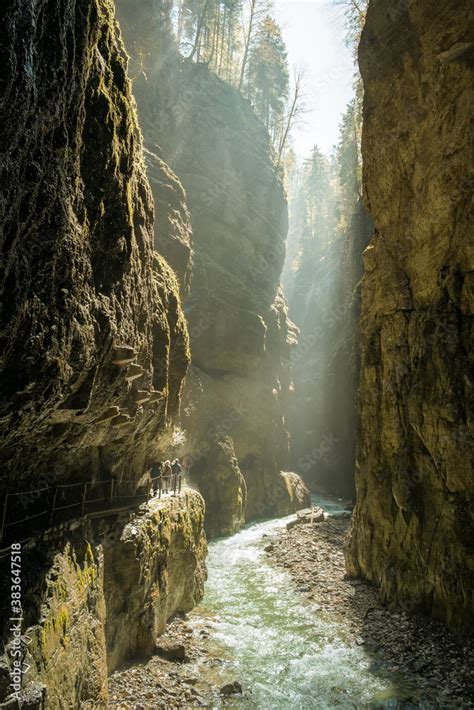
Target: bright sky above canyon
[{"x": 314, "y": 34}]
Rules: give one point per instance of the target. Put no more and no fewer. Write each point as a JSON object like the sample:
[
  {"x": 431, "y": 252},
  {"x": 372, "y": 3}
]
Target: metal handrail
[
  {"x": 23, "y": 520},
  {"x": 84, "y": 501}
]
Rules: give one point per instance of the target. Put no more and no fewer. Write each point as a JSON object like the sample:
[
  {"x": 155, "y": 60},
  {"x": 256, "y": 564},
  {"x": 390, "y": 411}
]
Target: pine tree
[
  {"x": 349, "y": 161},
  {"x": 268, "y": 78}
]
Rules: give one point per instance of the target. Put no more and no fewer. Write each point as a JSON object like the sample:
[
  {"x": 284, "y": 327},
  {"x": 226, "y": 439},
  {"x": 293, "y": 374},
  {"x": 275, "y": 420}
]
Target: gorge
[{"x": 153, "y": 307}]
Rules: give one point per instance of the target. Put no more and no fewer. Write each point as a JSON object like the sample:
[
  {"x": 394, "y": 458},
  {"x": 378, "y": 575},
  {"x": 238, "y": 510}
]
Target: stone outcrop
[
  {"x": 324, "y": 302},
  {"x": 80, "y": 283},
  {"x": 103, "y": 595},
  {"x": 413, "y": 523},
  {"x": 173, "y": 223},
  {"x": 165, "y": 551},
  {"x": 221, "y": 481},
  {"x": 239, "y": 330}
]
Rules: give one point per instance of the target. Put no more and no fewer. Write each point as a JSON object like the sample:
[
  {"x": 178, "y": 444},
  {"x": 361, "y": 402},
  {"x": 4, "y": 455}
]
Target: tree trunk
[{"x": 247, "y": 43}]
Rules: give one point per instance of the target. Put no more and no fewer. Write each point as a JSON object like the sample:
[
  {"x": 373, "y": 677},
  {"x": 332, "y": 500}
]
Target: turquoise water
[{"x": 282, "y": 652}]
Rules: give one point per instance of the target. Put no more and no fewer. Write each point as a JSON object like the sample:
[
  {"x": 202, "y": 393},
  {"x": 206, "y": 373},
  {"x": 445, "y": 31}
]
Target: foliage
[
  {"x": 324, "y": 193},
  {"x": 243, "y": 45},
  {"x": 268, "y": 80},
  {"x": 348, "y": 159}
]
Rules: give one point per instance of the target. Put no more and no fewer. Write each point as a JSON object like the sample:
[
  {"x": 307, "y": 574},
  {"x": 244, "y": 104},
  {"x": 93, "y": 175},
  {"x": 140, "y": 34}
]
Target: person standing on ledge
[
  {"x": 176, "y": 468},
  {"x": 167, "y": 474},
  {"x": 156, "y": 468}
]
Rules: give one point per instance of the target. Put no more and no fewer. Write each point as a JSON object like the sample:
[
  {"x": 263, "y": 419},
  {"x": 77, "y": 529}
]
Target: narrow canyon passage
[{"x": 236, "y": 254}]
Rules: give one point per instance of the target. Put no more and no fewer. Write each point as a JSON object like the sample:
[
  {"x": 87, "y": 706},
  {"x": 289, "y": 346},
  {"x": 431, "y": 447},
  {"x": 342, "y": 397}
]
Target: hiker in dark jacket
[
  {"x": 167, "y": 475},
  {"x": 156, "y": 469},
  {"x": 176, "y": 468}
]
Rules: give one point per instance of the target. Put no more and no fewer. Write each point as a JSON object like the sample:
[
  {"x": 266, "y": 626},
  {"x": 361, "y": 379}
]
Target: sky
[{"x": 314, "y": 31}]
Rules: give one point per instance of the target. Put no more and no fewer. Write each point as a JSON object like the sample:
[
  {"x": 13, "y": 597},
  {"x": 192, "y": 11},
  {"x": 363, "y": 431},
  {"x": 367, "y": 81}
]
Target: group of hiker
[{"x": 166, "y": 477}]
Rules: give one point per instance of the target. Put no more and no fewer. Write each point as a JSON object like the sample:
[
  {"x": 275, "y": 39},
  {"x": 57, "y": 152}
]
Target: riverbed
[
  {"x": 280, "y": 620},
  {"x": 272, "y": 641}
]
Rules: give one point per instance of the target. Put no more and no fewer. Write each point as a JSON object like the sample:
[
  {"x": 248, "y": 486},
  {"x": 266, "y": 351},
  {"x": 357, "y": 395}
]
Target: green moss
[{"x": 87, "y": 575}]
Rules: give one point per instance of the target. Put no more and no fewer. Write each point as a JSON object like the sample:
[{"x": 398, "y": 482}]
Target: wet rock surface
[{"x": 411, "y": 649}]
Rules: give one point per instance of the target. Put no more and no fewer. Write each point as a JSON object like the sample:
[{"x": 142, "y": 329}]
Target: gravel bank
[
  {"x": 412, "y": 648},
  {"x": 166, "y": 680}
]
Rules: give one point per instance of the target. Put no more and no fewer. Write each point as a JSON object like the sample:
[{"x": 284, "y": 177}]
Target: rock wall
[
  {"x": 93, "y": 352},
  {"x": 413, "y": 525},
  {"x": 164, "y": 550},
  {"x": 324, "y": 302},
  {"x": 78, "y": 276},
  {"x": 101, "y": 595},
  {"x": 239, "y": 330}
]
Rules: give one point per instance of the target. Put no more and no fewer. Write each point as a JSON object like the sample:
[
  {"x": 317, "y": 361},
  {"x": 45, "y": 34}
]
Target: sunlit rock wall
[
  {"x": 101, "y": 595},
  {"x": 413, "y": 525},
  {"x": 239, "y": 329},
  {"x": 78, "y": 276}
]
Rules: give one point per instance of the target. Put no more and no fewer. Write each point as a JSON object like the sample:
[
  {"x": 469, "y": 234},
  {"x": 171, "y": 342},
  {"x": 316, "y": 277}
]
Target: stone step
[{"x": 123, "y": 355}]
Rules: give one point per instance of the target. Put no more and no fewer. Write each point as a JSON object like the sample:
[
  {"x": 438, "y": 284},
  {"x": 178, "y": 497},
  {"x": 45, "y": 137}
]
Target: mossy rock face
[
  {"x": 153, "y": 570},
  {"x": 65, "y": 643},
  {"x": 412, "y": 526},
  {"x": 79, "y": 277},
  {"x": 105, "y": 595}
]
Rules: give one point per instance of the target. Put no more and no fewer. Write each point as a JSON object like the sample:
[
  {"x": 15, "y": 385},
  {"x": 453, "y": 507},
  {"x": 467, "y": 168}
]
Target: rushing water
[{"x": 271, "y": 641}]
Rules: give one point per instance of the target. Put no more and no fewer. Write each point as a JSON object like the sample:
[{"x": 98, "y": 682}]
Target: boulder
[
  {"x": 171, "y": 650},
  {"x": 231, "y": 688}
]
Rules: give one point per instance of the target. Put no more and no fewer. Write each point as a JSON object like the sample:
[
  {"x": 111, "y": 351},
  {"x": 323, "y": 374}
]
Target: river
[{"x": 263, "y": 634}]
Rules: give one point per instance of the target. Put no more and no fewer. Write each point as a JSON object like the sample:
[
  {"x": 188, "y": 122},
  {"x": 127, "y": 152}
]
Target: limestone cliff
[
  {"x": 413, "y": 525},
  {"x": 101, "y": 595},
  {"x": 324, "y": 300},
  {"x": 78, "y": 276},
  {"x": 239, "y": 330}
]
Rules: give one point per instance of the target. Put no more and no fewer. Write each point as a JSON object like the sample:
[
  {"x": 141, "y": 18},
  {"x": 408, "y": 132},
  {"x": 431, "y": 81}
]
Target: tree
[
  {"x": 354, "y": 12},
  {"x": 295, "y": 110},
  {"x": 349, "y": 162},
  {"x": 268, "y": 73},
  {"x": 199, "y": 29},
  {"x": 319, "y": 190},
  {"x": 245, "y": 48},
  {"x": 257, "y": 9}
]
